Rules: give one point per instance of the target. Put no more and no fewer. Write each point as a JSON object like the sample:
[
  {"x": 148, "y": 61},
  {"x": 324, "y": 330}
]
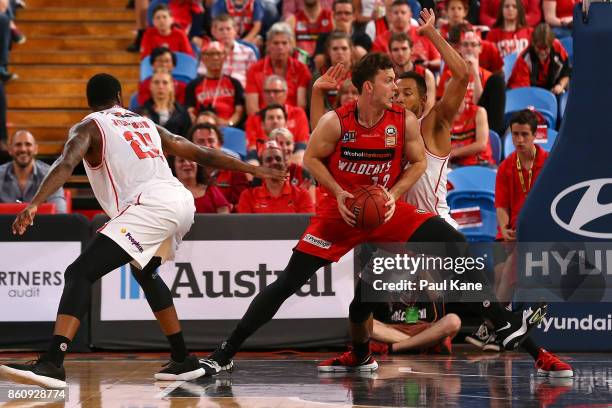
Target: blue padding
[
  {"x": 509, "y": 61},
  {"x": 544, "y": 101},
  {"x": 472, "y": 178},
  {"x": 134, "y": 105},
  {"x": 186, "y": 67},
  {"x": 146, "y": 70},
  {"x": 495, "y": 142},
  {"x": 234, "y": 139}
]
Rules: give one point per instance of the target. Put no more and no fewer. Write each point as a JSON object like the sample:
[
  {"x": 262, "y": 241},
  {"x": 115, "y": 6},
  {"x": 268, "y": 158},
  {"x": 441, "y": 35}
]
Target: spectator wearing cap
[
  {"x": 162, "y": 34},
  {"x": 278, "y": 61},
  {"x": 344, "y": 18},
  {"x": 423, "y": 51},
  {"x": 275, "y": 196},
  {"x": 544, "y": 64},
  {"x": 559, "y": 14},
  {"x": 247, "y": 14},
  {"x": 238, "y": 57},
  {"x": 490, "y": 10},
  {"x": 21, "y": 177},
  {"x": 164, "y": 59},
  {"x": 510, "y": 33},
  {"x": 230, "y": 183},
  {"x": 214, "y": 91}
]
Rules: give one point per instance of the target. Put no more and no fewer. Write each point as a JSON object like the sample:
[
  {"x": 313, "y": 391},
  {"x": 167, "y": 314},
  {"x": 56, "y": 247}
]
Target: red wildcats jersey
[
  {"x": 365, "y": 156},
  {"x": 307, "y": 32}
]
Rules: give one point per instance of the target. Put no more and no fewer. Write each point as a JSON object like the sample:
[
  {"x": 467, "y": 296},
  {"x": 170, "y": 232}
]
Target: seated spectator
[
  {"x": 382, "y": 20},
  {"x": 309, "y": 23},
  {"x": 400, "y": 51},
  {"x": 275, "y": 93},
  {"x": 278, "y": 61},
  {"x": 366, "y": 11},
  {"x": 188, "y": 15},
  {"x": 515, "y": 177},
  {"x": 162, "y": 34},
  {"x": 456, "y": 13},
  {"x": 207, "y": 116},
  {"x": 238, "y": 57},
  {"x": 298, "y": 175},
  {"x": 343, "y": 22},
  {"x": 470, "y": 137},
  {"x": 21, "y": 177},
  {"x": 544, "y": 63},
  {"x": 206, "y": 196},
  {"x": 275, "y": 196},
  {"x": 338, "y": 51},
  {"x": 161, "y": 58},
  {"x": 559, "y": 14},
  {"x": 162, "y": 108},
  {"x": 273, "y": 116},
  {"x": 214, "y": 91},
  {"x": 230, "y": 183},
  {"x": 423, "y": 51},
  {"x": 247, "y": 14},
  {"x": 490, "y": 10},
  {"x": 510, "y": 32},
  {"x": 291, "y": 7}
]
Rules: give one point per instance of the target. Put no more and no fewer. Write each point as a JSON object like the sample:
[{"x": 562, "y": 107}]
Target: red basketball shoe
[
  {"x": 552, "y": 366},
  {"x": 348, "y": 362}
]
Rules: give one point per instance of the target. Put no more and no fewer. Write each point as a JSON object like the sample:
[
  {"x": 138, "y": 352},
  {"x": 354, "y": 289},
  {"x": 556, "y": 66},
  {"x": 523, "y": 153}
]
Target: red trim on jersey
[
  {"x": 103, "y": 147},
  {"x": 110, "y": 177},
  {"x": 114, "y": 218},
  {"x": 435, "y": 155},
  {"x": 138, "y": 199},
  {"x": 438, "y": 185}
]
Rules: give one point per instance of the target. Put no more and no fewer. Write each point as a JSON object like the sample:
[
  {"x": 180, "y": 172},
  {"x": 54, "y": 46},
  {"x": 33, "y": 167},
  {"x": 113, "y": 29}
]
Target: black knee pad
[
  {"x": 155, "y": 289},
  {"x": 363, "y": 304}
]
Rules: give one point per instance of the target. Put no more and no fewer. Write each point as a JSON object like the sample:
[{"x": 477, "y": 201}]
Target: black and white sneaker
[
  {"x": 492, "y": 344},
  {"x": 213, "y": 367},
  {"x": 36, "y": 372},
  {"x": 480, "y": 336},
  {"x": 514, "y": 332},
  {"x": 189, "y": 369}
]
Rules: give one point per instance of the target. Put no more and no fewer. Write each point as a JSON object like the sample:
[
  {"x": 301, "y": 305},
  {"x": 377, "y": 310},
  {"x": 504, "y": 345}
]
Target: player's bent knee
[{"x": 452, "y": 324}]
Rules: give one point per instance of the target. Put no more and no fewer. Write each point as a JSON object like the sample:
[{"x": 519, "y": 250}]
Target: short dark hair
[
  {"x": 201, "y": 174},
  {"x": 418, "y": 78},
  {"x": 159, "y": 51},
  {"x": 335, "y": 36},
  {"x": 400, "y": 37},
  {"x": 400, "y": 3},
  {"x": 455, "y": 32},
  {"x": 200, "y": 126},
  {"x": 336, "y": 2},
  {"x": 367, "y": 68},
  {"x": 161, "y": 6},
  {"x": 272, "y": 107},
  {"x": 525, "y": 117},
  {"x": 102, "y": 89}
]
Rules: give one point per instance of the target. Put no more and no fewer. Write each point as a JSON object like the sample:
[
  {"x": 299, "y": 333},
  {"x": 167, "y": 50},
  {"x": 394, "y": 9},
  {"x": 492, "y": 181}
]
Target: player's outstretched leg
[
  {"x": 262, "y": 309},
  {"x": 101, "y": 256},
  {"x": 182, "y": 366}
]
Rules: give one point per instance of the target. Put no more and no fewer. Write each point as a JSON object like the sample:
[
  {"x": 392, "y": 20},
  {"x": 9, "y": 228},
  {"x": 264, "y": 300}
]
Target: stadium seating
[
  {"x": 496, "y": 146},
  {"x": 542, "y": 100},
  {"x": 186, "y": 67},
  {"x": 551, "y": 137},
  {"x": 234, "y": 139},
  {"x": 509, "y": 61},
  {"x": 134, "y": 105},
  {"x": 15, "y": 208}
]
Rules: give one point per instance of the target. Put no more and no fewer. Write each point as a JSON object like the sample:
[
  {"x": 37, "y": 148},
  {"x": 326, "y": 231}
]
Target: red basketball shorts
[{"x": 330, "y": 238}]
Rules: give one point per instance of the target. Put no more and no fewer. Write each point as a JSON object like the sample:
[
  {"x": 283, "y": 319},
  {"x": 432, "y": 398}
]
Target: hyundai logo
[{"x": 588, "y": 208}]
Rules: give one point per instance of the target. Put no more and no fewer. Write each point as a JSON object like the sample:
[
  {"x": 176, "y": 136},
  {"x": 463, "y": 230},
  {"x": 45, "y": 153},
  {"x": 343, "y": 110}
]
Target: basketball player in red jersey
[{"x": 150, "y": 210}]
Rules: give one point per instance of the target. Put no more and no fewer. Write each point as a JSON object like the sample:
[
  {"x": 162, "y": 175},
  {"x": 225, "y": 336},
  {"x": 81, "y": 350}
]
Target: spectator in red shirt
[
  {"x": 423, "y": 50},
  {"x": 559, "y": 14},
  {"x": 161, "y": 58},
  {"x": 278, "y": 61},
  {"x": 456, "y": 13},
  {"x": 275, "y": 196},
  {"x": 517, "y": 173},
  {"x": 470, "y": 137},
  {"x": 543, "y": 64},
  {"x": 230, "y": 183},
  {"x": 337, "y": 51},
  {"x": 162, "y": 34},
  {"x": 273, "y": 116},
  {"x": 206, "y": 196},
  {"x": 248, "y": 15},
  {"x": 489, "y": 12},
  {"x": 400, "y": 50},
  {"x": 275, "y": 93},
  {"x": 298, "y": 175},
  {"x": 510, "y": 33},
  {"x": 215, "y": 91},
  {"x": 308, "y": 23}
]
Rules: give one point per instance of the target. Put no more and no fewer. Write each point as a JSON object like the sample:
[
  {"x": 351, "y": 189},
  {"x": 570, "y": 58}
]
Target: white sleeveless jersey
[
  {"x": 429, "y": 192},
  {"x": 132, "y": 160}
]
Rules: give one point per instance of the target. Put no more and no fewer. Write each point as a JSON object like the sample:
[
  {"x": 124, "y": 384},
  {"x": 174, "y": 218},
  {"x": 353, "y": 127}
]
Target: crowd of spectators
[{"x": 255, "y": 62}]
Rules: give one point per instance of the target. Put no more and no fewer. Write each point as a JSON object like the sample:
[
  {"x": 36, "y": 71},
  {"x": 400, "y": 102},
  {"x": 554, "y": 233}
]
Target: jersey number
[
  {"x": 141, "y": 144},
  {"x": 385, "y": 180}
]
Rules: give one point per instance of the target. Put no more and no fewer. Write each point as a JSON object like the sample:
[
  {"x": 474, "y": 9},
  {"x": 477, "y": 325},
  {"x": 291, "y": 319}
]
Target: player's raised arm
[
  {"x": 329, "y": 81},
  {"x": 455, "y": 90},
  {"x": 75, "y": 149},
  {"x": 179, "y": 146},
  {"x": 322, "y": 144}
]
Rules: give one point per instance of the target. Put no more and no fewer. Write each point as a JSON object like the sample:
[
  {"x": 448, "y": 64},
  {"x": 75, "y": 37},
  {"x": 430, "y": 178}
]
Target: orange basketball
[{"x": 368, "y": 205}]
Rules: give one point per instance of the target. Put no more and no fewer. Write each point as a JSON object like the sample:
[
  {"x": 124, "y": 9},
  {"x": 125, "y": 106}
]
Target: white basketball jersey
[
  {"x": 132, "y": 160},
  {"x": 429, "y": 192}
]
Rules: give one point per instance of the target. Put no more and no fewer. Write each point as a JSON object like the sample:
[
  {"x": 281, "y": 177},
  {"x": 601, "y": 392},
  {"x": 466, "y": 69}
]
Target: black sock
[
  {"x": 57, "y": 350},
  {"x": 361, "y": 350},
  {"x": 178, "y": 349},
  {"x": 530, "y": 347}
]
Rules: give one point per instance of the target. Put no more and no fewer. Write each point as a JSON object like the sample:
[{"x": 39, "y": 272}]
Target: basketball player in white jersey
[{"x": 150, "y": 212}]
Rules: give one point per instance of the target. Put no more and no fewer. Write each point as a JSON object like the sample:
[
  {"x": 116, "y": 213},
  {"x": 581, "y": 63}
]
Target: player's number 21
[{"x": 141, "y": 144}]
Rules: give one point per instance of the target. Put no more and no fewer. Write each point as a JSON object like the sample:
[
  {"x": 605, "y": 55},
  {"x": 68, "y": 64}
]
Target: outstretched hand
[
  {"x": 332, "y": 78},
  {"x": 270, "y": 173},
  {"x": 24, "y": 219},
  {"x": 427, "y": 21}
]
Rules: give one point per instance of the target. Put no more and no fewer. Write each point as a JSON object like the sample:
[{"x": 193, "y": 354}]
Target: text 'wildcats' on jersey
[{"x": 366, "y": 156}]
